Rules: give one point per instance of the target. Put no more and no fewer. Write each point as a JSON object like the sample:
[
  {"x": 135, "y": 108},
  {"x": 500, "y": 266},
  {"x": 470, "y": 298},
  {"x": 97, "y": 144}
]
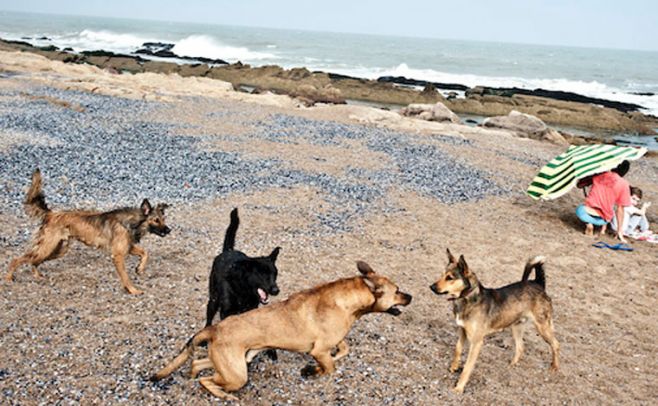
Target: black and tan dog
[
  {"x": 480, "y": 311},
  {"x": 314, "y": 321},
  {"x": 117, "y": 231}
]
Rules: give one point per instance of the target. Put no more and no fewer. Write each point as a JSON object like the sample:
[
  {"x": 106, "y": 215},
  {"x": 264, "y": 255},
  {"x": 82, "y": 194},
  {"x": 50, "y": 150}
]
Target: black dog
[{"x": 239, "y": 283}]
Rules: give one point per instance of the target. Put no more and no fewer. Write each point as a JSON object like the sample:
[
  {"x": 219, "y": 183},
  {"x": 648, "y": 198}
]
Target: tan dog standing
[
  {"x": 117, "y": 231},
  {"x": 480, "y": 311},
  {"x": 314, "y": 321}
]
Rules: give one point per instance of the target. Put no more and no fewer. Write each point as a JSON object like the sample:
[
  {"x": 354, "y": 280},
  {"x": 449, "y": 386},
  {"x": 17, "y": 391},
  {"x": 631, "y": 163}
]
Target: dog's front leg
[
  {"x": 119, "y": 260},
  {"x": 343, "y": 350},
  {"x": 325, "y": 364},
  {"x": 143, "y": 257},
  {"x": 473, "y": 352},
  {"x": 456, "y": 359}
]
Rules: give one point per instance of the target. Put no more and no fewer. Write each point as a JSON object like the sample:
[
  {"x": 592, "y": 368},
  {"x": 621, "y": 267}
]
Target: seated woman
[{"x": 609, "y": 189}]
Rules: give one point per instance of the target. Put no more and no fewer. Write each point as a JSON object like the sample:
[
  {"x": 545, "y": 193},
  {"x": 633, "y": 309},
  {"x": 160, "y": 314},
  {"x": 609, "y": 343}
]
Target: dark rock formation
[
  {"x": 109, "y": 54},
  {"x": 552, "y": 94},
  {"x": 164, "y": 50},
  {"x": 401, "y": 80}
]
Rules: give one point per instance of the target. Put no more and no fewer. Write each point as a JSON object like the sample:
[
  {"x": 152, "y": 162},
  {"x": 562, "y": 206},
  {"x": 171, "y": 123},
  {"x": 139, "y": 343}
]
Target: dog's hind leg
[
  {"x": 45, "y": 249},
  {"x": 143, "y": 257},
  {"x": 517, "y": 333},
  {"x": 230, "y": 372},
  {"x": 209, "y": 384},
  {"x": 545, "y": 328},
  {"x": 36, "y": 273},
  {"x": 343, "y": 350},
  {"x": 475, "y": 345},
  {"x": 251, "y": 354},
  {"x": 199, "y": 365},
  {"x": 457, "y": 357},
  {"x": 14, "y": 264}
]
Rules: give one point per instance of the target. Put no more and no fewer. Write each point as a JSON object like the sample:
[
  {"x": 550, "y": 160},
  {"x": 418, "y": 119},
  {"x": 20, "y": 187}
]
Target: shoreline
[{"x": 322, "y": 87}]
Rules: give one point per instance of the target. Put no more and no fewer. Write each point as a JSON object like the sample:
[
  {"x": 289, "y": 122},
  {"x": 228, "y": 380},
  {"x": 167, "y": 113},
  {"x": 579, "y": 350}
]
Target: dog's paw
[
  {"x": 454, "y": 368},
  {"x": 271, "y": 354},
  {"x": 458, "y": 390},
  {"x": 309, "y": 371},
  {"x": 135, "y": 291}
]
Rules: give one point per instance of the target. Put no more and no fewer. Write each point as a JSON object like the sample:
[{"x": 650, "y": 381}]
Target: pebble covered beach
[{"x": 329, "y": 191}]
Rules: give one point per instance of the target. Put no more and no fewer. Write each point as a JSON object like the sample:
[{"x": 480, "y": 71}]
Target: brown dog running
[
  {"x": 314, "y": 321},
  {"x": 480, "y": 311},
  {"x": 117, "y": 231}
]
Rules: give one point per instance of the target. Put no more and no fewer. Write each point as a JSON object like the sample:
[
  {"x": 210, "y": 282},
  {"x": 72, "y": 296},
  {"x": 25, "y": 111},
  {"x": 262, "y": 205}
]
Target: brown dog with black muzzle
[
  {"x": 480, "y": 311},
  {"x": 314, "y": 321}
]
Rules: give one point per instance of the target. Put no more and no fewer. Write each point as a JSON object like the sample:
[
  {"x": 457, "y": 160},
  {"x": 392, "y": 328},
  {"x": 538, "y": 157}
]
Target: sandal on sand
[{"x": 615, "y": 247}]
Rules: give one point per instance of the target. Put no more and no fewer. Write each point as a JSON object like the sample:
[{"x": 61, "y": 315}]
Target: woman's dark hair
[
  {"x": 622, "y": 169},
  {"x": 636, "y": 191}
]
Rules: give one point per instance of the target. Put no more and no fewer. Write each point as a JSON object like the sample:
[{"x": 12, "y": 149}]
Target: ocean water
[{"x": 605, "y": 73}]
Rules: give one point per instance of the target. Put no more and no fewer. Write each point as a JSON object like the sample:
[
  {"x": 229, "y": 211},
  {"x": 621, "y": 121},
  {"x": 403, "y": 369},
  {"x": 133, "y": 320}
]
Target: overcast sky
[{"x": 629, "y": 24}]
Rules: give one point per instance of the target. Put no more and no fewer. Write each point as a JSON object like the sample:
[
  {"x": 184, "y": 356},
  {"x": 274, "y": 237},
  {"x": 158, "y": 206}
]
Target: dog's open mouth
[
  {"x": 394, "y": 311},
  {"x": 263, "y": 296}
]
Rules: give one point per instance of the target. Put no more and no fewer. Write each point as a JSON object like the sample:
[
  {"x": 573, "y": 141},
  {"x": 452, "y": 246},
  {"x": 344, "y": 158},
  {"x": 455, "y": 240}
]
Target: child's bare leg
[
  {"x": 604, "y": 228},
  {"x": 589, "y": 229}
]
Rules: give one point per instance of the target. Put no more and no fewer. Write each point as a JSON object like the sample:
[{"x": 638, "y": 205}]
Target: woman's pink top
[{"x": 608, "y": 189}]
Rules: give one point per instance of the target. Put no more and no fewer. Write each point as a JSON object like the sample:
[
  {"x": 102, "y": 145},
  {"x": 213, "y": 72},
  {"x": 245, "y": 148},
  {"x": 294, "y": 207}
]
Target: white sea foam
[
  {"x": 587, "y": 88},
  {"x": 206, "y": 46},
  {"x": 95, "y": 40},
  {"x": 192, "y": 46}
]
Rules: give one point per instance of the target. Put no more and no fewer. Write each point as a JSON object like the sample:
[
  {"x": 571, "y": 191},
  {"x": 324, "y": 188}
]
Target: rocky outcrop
[
  {"x": 552, "y": 94},
  {"x": 525, "y": 125},
  {"x": 199, "y": 69},
  {"x": 431, "y": 112},
  {"x": 309, "y": 94},
  {"x": 556, "y": 112}
]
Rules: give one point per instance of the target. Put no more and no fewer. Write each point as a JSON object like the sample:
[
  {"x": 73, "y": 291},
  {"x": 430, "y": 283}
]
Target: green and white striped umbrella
[{"x": 561, "y": 174}]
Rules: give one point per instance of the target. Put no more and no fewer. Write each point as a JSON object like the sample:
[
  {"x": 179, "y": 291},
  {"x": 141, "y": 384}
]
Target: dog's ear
[
  {"x": 451, "y": 258},
  {"x": 146, "y": 207},
  {"x": 462, "y": 266},
  {"x": 364, "y": 268},
  {"x": 162, "y": 207},
  {"x": 370, "y": 284},
  {"x": 274, "y": 254}
]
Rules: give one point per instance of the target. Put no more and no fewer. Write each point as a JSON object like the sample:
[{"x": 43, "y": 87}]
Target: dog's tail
[
  {"x": 536, "y": 263},
  {"x": 35, "y": 201},
  {"x": 229, "y": 239},
  {"x": 201, "y": 337}
]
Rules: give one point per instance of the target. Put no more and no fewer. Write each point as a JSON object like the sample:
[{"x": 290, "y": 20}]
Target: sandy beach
[{"x": 330, "y": 184}]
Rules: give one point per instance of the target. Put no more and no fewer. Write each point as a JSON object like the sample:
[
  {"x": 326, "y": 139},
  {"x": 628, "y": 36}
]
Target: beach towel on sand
[{"x": 562, "y": 173}]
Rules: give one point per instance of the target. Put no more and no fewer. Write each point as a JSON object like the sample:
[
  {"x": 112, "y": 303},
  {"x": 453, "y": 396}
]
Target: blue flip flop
[{"x": 615, "y": 247}]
